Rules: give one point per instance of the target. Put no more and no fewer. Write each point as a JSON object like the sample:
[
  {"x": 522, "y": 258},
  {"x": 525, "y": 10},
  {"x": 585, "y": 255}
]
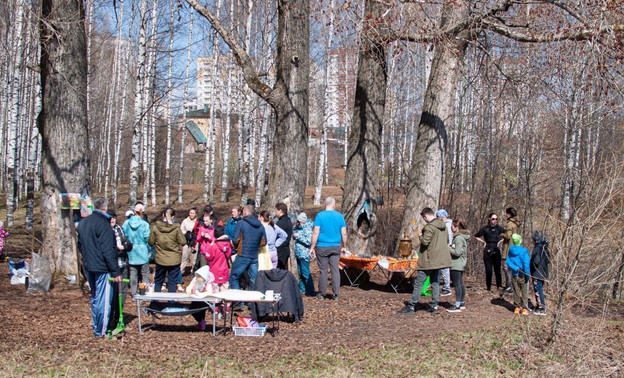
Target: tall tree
[
  {"x": 62, "y": 123},
  {"x": 362, "y": 175},
  {"x": 288, "y": 97}
]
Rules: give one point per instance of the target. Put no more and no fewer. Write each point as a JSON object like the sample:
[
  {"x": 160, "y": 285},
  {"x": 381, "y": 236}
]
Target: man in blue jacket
[
  {"x": 96, "y": 242},
  {"x": 249, "y": 235},
  {"x": 519, "y": 262}
]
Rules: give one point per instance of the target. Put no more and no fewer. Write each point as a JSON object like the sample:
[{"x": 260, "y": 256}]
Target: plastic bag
[
  {"x": 40, "y": 274},
  {"x": 19, "y": 271}
]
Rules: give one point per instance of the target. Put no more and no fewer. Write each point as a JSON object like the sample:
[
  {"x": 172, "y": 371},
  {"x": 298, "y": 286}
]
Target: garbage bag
[{"x": 40, "y": 274}]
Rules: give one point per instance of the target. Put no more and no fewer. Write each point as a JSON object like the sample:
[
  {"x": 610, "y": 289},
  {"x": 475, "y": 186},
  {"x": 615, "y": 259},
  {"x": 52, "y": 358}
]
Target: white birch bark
[
  {"x": 210, "y": 146},
  {"x": 226, "y": 134},
  {"x": 169, "y": 106},
  {"x": 262, "y": 152},
  {"x": 14, "y": 120},
  {"x": 118, "y": 114},
  {"x": 138, "y": 107},
  {"x": 184, "y": 97}
]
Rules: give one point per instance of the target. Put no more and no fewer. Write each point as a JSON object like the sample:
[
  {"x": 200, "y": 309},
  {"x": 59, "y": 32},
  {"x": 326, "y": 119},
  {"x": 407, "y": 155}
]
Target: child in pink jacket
[
  {"x": 3, "y": 235},
  {"x": 218, "y": 255}
]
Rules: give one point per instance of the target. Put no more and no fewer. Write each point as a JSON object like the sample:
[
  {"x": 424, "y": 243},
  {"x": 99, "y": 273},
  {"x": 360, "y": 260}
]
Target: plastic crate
[{"x": 250, "y": 331}]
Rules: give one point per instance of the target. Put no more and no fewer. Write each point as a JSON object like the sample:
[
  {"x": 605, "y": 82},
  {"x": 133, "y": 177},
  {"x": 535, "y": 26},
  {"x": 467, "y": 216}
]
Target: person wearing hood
[
  {"x": 434, "y": 255},
  {"x": 442, "y": 215},
  {"x": 519, "y": 264},
  {"x": 96, "y": 243},
  {"x": 249, "y": 235},
  {"x": 459, "y": 254},
  {"x": 512, "y": 227},
  {"x": 540, "y": 259},
  {"x": 201, "y": 286},
  {"x": 168, "y": 239},
  {"x": 302, "y": 234},
  {"x": 138, "y": 232}
]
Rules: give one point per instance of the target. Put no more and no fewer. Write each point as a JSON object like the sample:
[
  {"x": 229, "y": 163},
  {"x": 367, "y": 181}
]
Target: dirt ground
[{"x": 51, "y": 331}]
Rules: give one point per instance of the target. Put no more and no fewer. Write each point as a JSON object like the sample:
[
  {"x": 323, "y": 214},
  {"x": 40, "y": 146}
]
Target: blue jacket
[
  {"x": 230, "y": 227},
  {"x": 137, "y": 231},
  {"x": 303, "y": 240},
  {"x": 248, "y": 236},
  {"x": 97, "y": 243},
  {"x": 519, "y": 261}
]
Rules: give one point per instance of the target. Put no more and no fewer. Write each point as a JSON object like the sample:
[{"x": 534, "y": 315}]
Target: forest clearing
[{"x": 503, "y": 111}]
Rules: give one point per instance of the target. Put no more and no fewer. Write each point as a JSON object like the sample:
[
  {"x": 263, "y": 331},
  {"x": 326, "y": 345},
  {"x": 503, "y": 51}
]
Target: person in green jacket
[
  {"x": 168, "y": 239},
  {"x": 459, "y": 254},
  {"x": 434, "y": 255}
]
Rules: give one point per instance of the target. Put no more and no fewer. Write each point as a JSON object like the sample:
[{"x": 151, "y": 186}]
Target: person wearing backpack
[{"x": 540, "y": 259}]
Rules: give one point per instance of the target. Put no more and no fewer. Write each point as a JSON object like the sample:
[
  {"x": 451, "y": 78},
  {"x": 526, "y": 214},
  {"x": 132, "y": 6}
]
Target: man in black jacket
[
  {"x": 96, "y": 242},
  {"x": 284, "y": 222}
]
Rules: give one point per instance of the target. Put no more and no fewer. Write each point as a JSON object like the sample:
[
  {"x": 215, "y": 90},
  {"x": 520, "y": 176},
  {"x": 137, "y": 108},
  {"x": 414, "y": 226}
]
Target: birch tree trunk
[
  {"x": 362, "y": 174},
  {"x": 169, "y": 106},
  {"x": 428, "y": 168},
  {"x": 63, "y": 118},
  {"x": 138, "y": 107},
  {"x": 14, "y": 121},
  {"x": 184, "y": 97},
  {"x": 226, "y": 137}
]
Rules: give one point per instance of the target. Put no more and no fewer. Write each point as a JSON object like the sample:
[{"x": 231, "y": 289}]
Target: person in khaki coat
[
  {"x": 434, "y": 255},
  {"x": 168, "y": 239},
  {"x": 512, "y": 227}
]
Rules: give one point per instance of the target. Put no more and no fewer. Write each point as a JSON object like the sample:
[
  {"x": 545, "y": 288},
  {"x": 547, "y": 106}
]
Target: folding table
[
  {"x": 363, "y": 264},
  {"x": 391, "y": 266},
  {"x": 211, "y": 303}
]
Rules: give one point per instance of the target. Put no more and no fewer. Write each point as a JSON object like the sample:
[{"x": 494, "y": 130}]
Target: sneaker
[
  {"x": 201, "y": 326},
  {"x": 406, "y": 310},
  {"x": 462, "y": 306},
  {"x": 517, "y": 310},
  {"x": 445, "y": 293},
  {"x": 320, "y": 297},
  {"x": 454, "y": 309},
  {"x": 335, "y": 297},
  {"x": 180, "y": 288},
  {"x": 433, "y": 310},
  {"x": 508, "y": 290},
  {"x": 525, "y": 311},
  {"x": 540, "y": 312}
]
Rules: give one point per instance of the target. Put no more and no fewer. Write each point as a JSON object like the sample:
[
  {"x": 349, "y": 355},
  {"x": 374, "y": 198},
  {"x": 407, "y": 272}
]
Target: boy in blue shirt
[{"x": 519, "y": 262}]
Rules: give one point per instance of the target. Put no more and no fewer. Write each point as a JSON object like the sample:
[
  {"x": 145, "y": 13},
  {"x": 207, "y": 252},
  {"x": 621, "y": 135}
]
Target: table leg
[{"x": 138, "y": 304}]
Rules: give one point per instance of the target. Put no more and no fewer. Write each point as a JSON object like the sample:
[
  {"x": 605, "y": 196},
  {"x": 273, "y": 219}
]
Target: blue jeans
[
  {"x": 239, "y": 266},
  {"x": 306, "y": 282},
  {"x": 171, "y": 272},
  {"x": 434, "y": 280},
  {"x": 101, "y": 296},
  {"x": 538, "y": 287}
]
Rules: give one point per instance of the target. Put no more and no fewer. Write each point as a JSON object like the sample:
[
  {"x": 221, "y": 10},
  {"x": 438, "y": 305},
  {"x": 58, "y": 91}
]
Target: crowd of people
[
  {"x": 227, "y": 255},
  {"x": 218, "y": 255},
  {"x": 444, "y": 247}
]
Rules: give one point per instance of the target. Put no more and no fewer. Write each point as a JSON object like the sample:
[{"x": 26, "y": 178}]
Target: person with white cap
[
  {"x": 302, "y": 234},
  {"x": 442, "y": 215}
]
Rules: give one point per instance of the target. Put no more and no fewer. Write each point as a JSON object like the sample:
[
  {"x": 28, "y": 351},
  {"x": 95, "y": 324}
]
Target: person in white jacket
[{"x": 188, "y": 227}]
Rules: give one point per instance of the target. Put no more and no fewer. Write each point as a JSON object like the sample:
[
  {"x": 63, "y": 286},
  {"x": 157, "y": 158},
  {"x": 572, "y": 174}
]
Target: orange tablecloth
[
  {"x": 362, "y": 263},
  {"x": 369, "y": 263}
]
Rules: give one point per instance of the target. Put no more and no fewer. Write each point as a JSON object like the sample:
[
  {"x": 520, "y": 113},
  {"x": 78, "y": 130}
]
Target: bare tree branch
[
  {"x": 578, "y": 35},
  {"x": 242, "y": 58}
]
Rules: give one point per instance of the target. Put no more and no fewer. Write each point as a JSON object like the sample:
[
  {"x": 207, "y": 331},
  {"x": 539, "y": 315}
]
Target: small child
[
  {"x": 201, "y": 286},
  {"x": 3, "y": 235},
  {"x": 540, "y": 259},
  {"x": 519, "y": 261}
]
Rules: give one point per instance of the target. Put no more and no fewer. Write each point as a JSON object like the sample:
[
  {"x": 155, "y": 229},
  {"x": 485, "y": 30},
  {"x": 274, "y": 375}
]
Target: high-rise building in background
[
  {"x": 341, "y": 89},
  {"x": 207, "y": 85}
]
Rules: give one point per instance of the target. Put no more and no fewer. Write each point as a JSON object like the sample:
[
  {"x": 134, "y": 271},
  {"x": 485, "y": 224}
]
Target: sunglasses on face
[{"x": 494, "y": 219}]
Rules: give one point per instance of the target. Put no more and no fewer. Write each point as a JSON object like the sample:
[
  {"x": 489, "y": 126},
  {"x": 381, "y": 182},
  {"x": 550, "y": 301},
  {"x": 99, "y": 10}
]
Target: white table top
[{"x": 176, "y": 297}]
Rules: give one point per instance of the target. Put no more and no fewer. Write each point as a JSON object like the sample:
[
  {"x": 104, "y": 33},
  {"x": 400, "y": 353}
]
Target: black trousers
[
  {"x": 283, "y": 254},
  {"x": 492, "y": 263}
]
